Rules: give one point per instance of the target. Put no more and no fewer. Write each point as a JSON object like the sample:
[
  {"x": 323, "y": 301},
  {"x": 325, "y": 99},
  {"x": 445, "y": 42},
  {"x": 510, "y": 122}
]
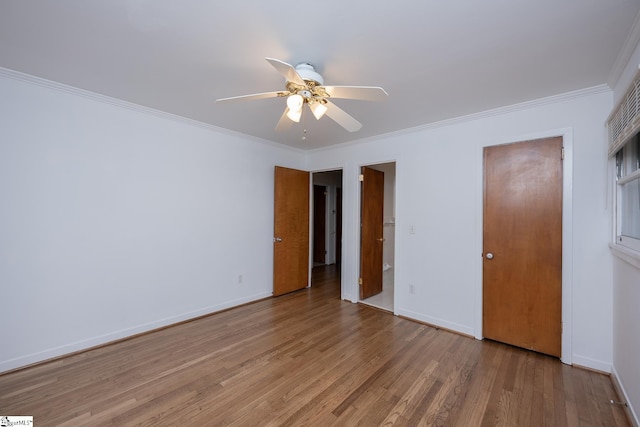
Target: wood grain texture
[
  {"x": 371, "y": 232},
  {"x": 522, "y": 228},
  {"x": 307, "y": 358},
  {"x": 291, "y": 226}
]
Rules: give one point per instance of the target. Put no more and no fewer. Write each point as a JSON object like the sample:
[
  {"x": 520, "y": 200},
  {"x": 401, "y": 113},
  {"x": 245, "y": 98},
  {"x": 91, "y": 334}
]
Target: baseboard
[
  {"x": 438, "y": 323},
  {"x": 595, "y": 365},
  {"x": 622, "y": 396},
  {"x": 112, "y": 337}
]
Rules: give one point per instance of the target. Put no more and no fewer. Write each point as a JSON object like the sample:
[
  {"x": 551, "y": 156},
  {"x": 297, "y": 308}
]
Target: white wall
[
  {"x": 626, "y": 339},
  {"x": 439, "y": 193},
  {"x": 114, "y": 221},
  {"x": 626, "y": 289}
]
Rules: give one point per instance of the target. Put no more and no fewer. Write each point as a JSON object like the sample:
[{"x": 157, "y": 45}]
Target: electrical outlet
[
  {"x": 412, "y": 289},
  {"x": 412, "y": 229},
  {"x": 239, "y": 278}
]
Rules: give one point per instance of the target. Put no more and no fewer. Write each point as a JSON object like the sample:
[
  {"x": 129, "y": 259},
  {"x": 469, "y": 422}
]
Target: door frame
[
  {"x": 567, "y": 233},
  {"x": 356, "y": 218},
  {"x": 281, "y": 232},
  {"x": 312, "y": 220},
  {"x": 323, "y": 220}
]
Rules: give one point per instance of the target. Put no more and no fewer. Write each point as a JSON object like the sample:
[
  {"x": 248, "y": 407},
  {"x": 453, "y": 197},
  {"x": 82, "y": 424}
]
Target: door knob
[
  {"x": 489, "y": 255},
  {"x": 277, "y": 239},
  {"x": 380, "y": 239}
]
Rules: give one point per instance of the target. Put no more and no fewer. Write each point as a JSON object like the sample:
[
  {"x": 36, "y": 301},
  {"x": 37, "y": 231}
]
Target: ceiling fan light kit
[
  {"x": 295, "y": 102},
  {"x": 294, "y": 115},
  {"x": 318, "y": 109},
  {"x": 304, "y": 85}
]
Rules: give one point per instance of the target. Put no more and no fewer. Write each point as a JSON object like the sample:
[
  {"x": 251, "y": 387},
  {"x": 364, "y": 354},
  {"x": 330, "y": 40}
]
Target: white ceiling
[{"x": 436, "y": 59}]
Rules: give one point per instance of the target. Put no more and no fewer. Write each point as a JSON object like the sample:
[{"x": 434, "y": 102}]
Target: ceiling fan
[{"x": 305, "y": 86}]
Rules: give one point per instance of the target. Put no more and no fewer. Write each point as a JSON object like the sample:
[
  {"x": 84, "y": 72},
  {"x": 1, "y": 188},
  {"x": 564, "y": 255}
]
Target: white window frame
[
  {"x": 626, "y": 241},
  {"x": 625, "y": 247},
  {"x": 623, "y": 125}
]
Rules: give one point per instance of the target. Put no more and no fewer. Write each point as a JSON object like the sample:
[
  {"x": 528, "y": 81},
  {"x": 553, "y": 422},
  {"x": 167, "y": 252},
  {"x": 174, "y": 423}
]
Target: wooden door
[
  {"x": 372, "y": 211},
  {"x": 291, "y": 231},
  {"x": 522, "y": 239},
  {"x": 319, "y": 223},
  {"x": 339, "y": 226}
]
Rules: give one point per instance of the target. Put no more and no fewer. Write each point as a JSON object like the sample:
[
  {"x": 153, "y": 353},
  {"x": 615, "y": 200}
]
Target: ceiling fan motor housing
[{"x": 307, "y": 72}]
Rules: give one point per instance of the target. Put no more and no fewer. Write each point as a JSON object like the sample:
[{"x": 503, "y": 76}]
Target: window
[{"x": 628, "y": 194}]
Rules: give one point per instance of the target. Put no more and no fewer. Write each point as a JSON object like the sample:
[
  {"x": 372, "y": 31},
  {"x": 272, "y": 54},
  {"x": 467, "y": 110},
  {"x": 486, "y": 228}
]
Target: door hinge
[
  {"x": 361, "y": 177},
  {"x": 360, "y": 281},
  {"x": 562, "y": 154}
]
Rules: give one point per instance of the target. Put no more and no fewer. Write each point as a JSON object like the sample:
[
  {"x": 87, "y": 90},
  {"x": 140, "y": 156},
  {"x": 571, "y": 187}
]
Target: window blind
[{"x": 624, "y": 120}]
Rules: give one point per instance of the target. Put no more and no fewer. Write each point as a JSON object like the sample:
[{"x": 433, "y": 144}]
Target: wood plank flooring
[{"x": 308, "y": 358}]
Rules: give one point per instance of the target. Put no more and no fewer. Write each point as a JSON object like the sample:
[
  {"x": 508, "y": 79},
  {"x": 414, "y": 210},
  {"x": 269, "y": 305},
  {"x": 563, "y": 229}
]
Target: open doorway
[
  {"x": 384, "y": 298},
  {"x": 326, "y": 230}
]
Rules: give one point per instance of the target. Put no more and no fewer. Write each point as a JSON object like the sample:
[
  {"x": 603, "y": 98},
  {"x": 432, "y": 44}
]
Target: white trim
[
  {"x": 60, "y": 87},
  {"x": 351, "y": 233},
  {"x": 567, "y": 235},
  {"x": 624, "y": 247},
  {"x": 589, "y": 363},
  {"x": 628, "y": 255},
  {"x": 567, "y": 248},
  {"x": 85, "y": 344},
  {"x": 625, "y": 397},
  {"x": 479, "y": 205},
  {"x": 71, "y": 90},
  {"x": 436, "y": 322},
  {"x": 628, "y": 178},
  {"x": 629, "y": 243},
  {"x": 399, "y": 267},
  {"x": 496, "y": 112},
  {"x": 356, "y": 293},
  {"x": 625, "y": 54}
]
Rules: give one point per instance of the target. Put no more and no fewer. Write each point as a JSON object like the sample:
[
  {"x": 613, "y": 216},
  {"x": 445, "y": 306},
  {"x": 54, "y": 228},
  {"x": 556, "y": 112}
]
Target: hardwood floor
[{"x": 308, "y": 358}]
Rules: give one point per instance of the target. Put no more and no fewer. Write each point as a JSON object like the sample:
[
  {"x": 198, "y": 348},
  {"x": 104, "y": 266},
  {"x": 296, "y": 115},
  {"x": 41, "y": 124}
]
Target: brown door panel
[
  {"x": 291, "y": 230},
  {"x": 522, "y": 244},
  {"x": 371, "y": 233}
]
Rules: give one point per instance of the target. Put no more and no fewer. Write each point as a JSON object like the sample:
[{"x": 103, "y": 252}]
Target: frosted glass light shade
[
  {"x": 294, "y": 115},
  {"x": 318, "y": 109},
  {"x": 294, "y": 102}
]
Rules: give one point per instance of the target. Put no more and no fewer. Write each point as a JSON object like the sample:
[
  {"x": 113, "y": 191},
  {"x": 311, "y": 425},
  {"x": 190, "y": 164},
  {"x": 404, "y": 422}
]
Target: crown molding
[
  {"x": 526, "y": 105},
  {"x": 72, "y": 90},
  {"x": 60, "y": 87},
  {"x": 625, "y": 54},
  {"x": 563, "y": 97}
]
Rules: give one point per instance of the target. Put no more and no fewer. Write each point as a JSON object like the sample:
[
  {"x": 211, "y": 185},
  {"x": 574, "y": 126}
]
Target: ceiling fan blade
[
  {"x": 364, "y": 93},
  {"x": 284, "y": 123},
  {"x": 342, "y": 118},
  {"x": 287, "y": 71},
  {"x": 254, "y": 96}
]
